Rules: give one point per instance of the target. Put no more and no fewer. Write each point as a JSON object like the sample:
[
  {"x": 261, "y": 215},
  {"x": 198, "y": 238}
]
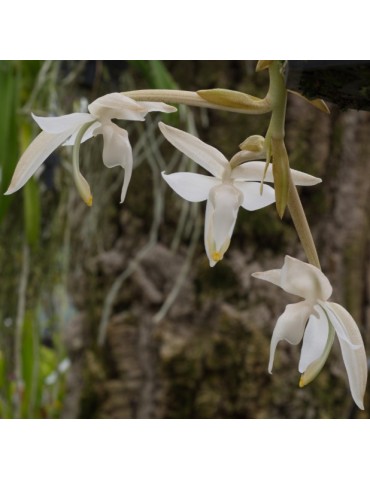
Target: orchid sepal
[{"x": 318, "y": 320}]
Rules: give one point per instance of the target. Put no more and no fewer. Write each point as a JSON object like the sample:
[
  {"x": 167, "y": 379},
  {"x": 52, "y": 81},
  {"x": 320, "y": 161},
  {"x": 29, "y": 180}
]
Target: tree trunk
[{"x": 207, "y": 356}]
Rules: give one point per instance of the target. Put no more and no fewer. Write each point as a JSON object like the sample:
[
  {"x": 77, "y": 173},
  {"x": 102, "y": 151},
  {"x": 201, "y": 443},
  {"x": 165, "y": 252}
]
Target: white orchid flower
[
  {"x": 316, "y": 321},
  {"x": 227, "y": 190},
  {"x": 75, "y": 128}
]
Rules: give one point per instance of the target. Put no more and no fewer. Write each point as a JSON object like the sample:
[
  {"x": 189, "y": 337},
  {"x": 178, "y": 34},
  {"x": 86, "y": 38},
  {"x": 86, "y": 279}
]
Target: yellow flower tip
[
  {"x": 89, "y": 200},
  {"x": 302, "y": 382},
  {"x": 217, "y": 256}
]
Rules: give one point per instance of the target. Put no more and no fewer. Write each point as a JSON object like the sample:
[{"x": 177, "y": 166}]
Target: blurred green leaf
[
  {"x": 161, "y": 77},
  {"x": 2, "y": 370},
  {"x": 9, "y": 84},
  {"x": 32, "y": 212},
  {"x": 48, "y": 362},
  {"x": 156, "y": 73},
  {"x": 158, "y": 76}
]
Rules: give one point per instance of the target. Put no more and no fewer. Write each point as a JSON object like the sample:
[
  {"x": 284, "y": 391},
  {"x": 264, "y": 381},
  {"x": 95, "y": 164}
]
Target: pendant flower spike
[
  {"x": 227, "y": 190},
  {"x": 316, "y": 321},
  {"x": 76, "y": 128}
]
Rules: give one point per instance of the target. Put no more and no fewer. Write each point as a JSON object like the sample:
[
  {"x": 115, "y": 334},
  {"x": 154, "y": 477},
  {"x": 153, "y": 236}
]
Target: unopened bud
[
  {"x": 263, "y": 64},
  {"x": 254, "y": 143}
]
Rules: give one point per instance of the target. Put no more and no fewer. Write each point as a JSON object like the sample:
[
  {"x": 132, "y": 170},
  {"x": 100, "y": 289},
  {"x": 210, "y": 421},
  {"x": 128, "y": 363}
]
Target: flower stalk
[
  {"x": 194, "y": 99},
  {"x": 285, "y": 189},
  {"x": 301, "y": 225}
]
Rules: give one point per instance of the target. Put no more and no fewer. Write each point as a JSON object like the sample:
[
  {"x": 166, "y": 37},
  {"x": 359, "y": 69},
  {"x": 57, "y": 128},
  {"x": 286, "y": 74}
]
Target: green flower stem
[
  {"x": 301, "y": 225},
  {"x": 286, "y": 191},
  {"x": 277, "y": 95},
  {"x": 192, "y": 99}
]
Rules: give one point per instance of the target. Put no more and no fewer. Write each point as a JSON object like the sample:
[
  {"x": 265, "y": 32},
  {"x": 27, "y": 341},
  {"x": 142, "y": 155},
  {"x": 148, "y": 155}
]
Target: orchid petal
[
  {"x": 315, "y": 345},
  {"x": 253, "y": 171},
  {"x": 117, "y": 152},
  {"x": 290, "y": 327},
  {"x": 158, "y": 107},
  {"x": 314, "y": 340},
  {"x": 208, "y": 234},
  {"x": 253, "y": 198},
  {"x": 304, "y": 280},
  {"x": 303, "y": 179},
  {"x": 201, "y": 153},
  {"x": 116, "y": 105},
  {"x": 298, "y": 278},
  {"x": 226, "y": 201},
  {"x": 86, "y": 136},
  {"x": 116, "y": 145},
  {"x": 352, "y": 347},
  {"x": 193, "y": 187},
  {"x": 272, "y": 276},
  {"x": 37, "y": 152},
  {"x": 64, "y": 123}
]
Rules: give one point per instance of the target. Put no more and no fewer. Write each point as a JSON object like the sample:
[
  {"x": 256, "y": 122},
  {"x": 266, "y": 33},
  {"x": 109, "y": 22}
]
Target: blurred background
[{"x": 113, "y": 311}]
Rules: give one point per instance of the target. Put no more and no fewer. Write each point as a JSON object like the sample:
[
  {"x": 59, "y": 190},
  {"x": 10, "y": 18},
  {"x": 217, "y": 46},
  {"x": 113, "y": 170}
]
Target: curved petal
[
  {"x": 86, "y": 136},
  {"x": 304, "y": 179},
  {"x": 64, "y": 123},
  {"x": 314, "y": 340},
  {"x": 253, "y": 171},
  {"x": 317, "y": 342},
  {"x": 352, "y": 347},
  {"x": 208, "y": 235},
  {"x": 290, "y": 327},
  {"x": 253, "y": 199},
  {"x": 158, "y": 107},
  {"x": 272, "y": 276},
  {"x": 304, "y": 280},
  {"x": 37, "y": 152},
  {"x": 221, "y": 212},
  {"x": 116, "y": 145},
  {"x": 226, "y": 201},
  {"x": 116, "y": 105},
  {"x": 193, "y": 187},
  {"x": 204, "y": 155},
  {"x": 117, "y": 152}
]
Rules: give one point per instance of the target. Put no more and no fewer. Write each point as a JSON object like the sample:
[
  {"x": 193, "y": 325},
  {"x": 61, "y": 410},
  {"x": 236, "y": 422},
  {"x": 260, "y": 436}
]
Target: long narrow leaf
[{"x": 8, "y": 129}]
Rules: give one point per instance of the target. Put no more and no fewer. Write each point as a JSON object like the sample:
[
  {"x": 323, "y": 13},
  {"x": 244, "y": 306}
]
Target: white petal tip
[
  {"x": 360, "y": 405},
  {"x": 256, "y": 274}
]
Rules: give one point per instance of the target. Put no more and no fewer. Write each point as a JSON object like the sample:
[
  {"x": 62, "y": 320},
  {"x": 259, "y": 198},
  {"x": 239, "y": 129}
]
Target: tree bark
[{"x": 207, "y": 357}]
